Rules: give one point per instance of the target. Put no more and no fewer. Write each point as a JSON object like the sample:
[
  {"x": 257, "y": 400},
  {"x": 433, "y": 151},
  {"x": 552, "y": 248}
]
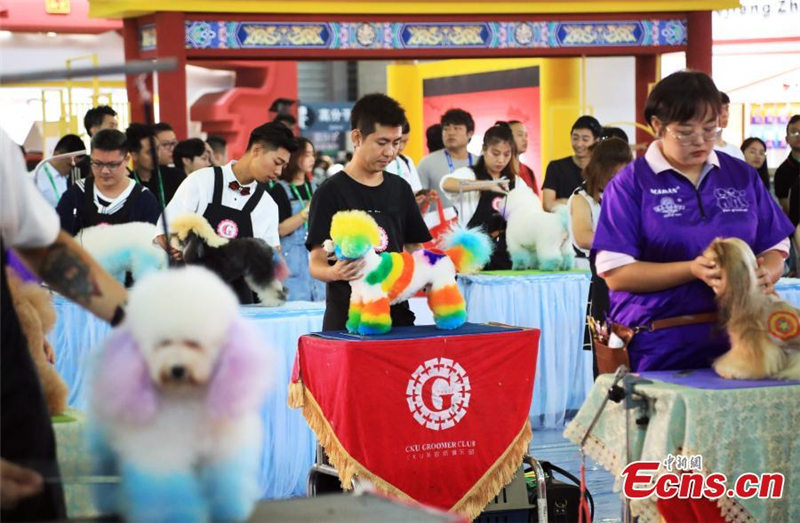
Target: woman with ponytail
[{"x": 482, "y": 205}]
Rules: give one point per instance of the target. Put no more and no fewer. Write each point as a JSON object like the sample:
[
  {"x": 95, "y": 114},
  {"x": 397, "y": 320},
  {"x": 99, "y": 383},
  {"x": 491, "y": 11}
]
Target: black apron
[
  {"x": 88, "y": 216},
  {"x": 490, "y": 220},
  {"x": 26, "y": 432},
  {"x": 238, "y": 224}
]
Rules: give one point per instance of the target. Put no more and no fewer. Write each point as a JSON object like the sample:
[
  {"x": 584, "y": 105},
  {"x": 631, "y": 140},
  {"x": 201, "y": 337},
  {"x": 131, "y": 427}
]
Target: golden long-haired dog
[
  {"x": 36, "y": 314},
  {"x": 764, "y": 330}
]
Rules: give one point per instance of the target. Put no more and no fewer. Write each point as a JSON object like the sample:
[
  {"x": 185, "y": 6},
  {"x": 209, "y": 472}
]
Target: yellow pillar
[
  {"x": 561, "y": 106},
  {"x": 404, "y": 84},
  {"x": 560, "y": 84}
]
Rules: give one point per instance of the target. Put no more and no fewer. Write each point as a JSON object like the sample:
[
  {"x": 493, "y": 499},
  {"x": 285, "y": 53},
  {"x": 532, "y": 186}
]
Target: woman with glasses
[
  {"x": 107, "y": 196},
  {"x": 661, "y": 212}
]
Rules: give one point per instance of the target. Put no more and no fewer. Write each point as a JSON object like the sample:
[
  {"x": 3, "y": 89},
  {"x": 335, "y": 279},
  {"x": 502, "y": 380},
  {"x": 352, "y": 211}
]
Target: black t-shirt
[
  {"x": 281, "y": 200},
  {"x": 794, "y": 202},
  {"x": 172, "y": 177},
  {"x": 391, "y": 203},
  {"x": 563, "y": 177},
  {"x": 786, "y": 175}
]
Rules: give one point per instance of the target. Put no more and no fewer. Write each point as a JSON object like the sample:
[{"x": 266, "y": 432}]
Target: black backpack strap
[
  {"x": 254, "y": 199},
  {"x": 217, "y": 198}
]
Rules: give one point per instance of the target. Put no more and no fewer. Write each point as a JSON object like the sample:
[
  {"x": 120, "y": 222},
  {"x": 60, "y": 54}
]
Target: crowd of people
[
  {"x": 269, "y": 195},
  {"x": 640, "y": 224}
]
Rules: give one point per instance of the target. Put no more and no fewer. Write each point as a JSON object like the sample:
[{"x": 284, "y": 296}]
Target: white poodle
[
  {"x": 126, "y": 247},
  {"x": 536, "y": 239},
  {"x": 175, "y": 402}
]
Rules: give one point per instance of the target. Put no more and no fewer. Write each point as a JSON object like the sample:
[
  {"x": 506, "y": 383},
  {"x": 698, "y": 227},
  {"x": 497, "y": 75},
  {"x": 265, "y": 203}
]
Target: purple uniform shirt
[{"x": 662, "y": 217}]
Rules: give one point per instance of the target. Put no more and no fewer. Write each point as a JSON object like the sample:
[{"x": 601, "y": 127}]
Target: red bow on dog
[{"x": 236, "y": 187}]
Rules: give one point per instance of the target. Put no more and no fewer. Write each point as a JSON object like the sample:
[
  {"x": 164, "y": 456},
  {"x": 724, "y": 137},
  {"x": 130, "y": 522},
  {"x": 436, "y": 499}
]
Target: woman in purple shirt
[{"x": 661, "y": 212}]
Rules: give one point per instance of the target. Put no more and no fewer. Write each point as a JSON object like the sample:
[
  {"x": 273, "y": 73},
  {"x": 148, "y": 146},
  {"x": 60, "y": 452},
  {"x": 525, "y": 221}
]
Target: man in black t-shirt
[
  {"x": 377, "y": 122},
  {"x": 787, "y": 173},
  {"x": 564, "y": 176}
]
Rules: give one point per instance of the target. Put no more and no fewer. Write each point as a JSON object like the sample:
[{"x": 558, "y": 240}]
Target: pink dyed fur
[
  {"x": 242, "y": 376},
  {"x": 281, "y": 269},
  {"x": 243, "y": 372},
  {"x": 123, "y": 389}
]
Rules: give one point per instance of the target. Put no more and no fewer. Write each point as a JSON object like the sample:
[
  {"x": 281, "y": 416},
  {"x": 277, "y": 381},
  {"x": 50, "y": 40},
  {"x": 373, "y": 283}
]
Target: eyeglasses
[
  {"x": 169, "y": 145},
  {"x": 687, "y": 138},
  {"x": 111, "y": 166}
]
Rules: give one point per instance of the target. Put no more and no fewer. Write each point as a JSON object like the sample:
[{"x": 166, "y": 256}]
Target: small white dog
[
  {"x": 536, "y": 239},
  {"x": 175, "y": 402},
  {"x": 126, "y": 247}
]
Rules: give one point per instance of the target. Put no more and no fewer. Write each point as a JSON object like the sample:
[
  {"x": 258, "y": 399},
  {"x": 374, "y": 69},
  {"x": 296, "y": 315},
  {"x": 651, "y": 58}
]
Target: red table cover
[{"x": 441, "y": 420}]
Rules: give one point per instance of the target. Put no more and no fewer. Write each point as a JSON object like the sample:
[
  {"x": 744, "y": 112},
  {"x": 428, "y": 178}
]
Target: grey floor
[{"x": 550, "y": 445}]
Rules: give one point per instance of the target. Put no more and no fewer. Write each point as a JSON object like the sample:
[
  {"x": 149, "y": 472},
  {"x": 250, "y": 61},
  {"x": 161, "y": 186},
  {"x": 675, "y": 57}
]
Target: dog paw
[
  {"x": 730, "y": 367},
  {"x": 792, "y": 369}
]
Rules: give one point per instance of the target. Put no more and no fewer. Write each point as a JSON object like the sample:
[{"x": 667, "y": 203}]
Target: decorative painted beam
[{"x": 404, "y": 36}]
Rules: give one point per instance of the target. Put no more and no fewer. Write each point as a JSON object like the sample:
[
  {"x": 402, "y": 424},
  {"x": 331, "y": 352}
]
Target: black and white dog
[{"x": 249, "y": 259}]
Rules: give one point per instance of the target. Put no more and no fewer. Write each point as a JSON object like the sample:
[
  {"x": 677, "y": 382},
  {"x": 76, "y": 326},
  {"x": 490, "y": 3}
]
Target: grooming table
[
  {"x": 439, "y": 417},
  {"x": 736, "y": 426}
]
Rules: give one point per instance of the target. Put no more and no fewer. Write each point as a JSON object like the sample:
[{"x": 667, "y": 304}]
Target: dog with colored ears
[
  {"x": 536, "y": 239},
  {"x": 262, "y": 268},
  {"x": 175, "y": 403},
  {"x": 125, "y": 248},
  {"x": 392, "y": 277},
  {"x": 764, "y": 330}
]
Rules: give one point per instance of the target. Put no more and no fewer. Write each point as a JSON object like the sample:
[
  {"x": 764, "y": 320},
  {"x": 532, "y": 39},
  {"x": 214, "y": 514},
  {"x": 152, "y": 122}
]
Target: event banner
[{"x": 442, "y": 420}]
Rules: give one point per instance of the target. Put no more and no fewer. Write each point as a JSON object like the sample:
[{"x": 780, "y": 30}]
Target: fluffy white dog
[
  {"x": 536, "y": 239},
  {"x": 175, "y": 402},
  {"x": 126, "y": 247}
]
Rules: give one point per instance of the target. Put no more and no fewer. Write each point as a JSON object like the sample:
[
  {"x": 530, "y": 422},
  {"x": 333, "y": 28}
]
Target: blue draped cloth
[
  {"x": 556, "y": 304},
  {"x": 289, "y": 445}
]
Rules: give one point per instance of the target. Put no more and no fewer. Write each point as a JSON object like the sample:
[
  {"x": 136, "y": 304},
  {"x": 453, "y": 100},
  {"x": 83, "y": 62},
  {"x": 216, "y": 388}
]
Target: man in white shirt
[
  {"x": 403, "y": 166},
  {"x": 232, "y": 197},
  {"x": 52, "y": 178},
  {"x": 724, "y": 114},
  {"x": 31, "y": 226}
]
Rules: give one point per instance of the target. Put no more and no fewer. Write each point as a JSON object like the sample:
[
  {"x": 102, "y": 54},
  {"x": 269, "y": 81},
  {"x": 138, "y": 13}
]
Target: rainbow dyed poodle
[{"x": 392, "y": 277}]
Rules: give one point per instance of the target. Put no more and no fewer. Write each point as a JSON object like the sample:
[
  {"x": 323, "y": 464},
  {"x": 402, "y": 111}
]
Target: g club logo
[
  {"x": 228, "y": 229},
  {"x": 438, "y": 394}
]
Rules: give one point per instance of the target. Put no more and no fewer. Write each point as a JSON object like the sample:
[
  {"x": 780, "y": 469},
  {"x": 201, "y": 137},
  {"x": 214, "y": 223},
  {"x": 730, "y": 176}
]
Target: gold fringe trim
[
  {"x": 471, "y": 505},
  {"x": 296, "y": 389},
  {"x": 498, "y": 476}
]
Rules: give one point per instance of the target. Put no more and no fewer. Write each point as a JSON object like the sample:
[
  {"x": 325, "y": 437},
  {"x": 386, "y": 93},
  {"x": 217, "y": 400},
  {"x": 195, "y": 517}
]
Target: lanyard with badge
[
  {"x": 160, "y": 186},
  {"x": 450, "y": 160},
  {"x": 296, "y": 192},
  {"x": 46, "y": 170}
]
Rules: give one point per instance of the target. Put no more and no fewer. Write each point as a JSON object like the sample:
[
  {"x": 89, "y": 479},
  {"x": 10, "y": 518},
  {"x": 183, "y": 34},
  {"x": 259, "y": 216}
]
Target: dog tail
[
  {"x": 353, "y": 231},
  {"x": 470, "y": 249},
  {"x": 191, "y": 222}
]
